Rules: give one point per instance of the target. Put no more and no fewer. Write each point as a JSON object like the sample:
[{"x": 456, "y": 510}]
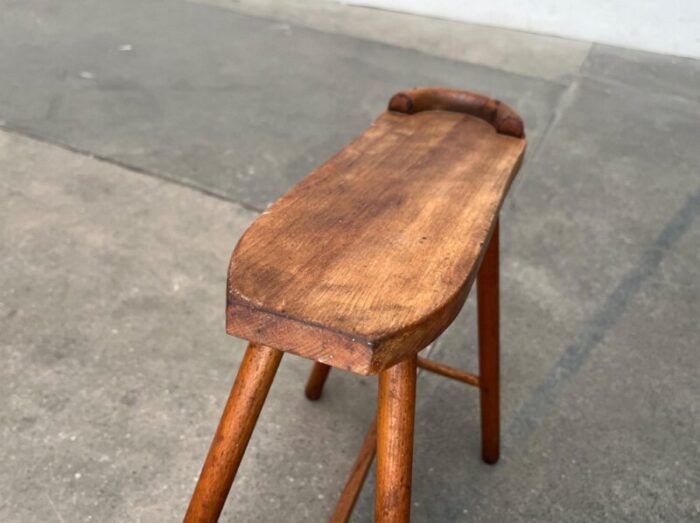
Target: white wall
[{"x": 663, "y": 26}]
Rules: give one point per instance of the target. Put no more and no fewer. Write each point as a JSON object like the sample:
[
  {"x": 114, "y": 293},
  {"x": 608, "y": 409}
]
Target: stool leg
[
  {"x": 488, "y": 319},
  {"x": 237, "y": 422},
  {"x": 396, "y": 413},
  {"x": 317, "y": 378},
  {"x": 353, "y": 486}
]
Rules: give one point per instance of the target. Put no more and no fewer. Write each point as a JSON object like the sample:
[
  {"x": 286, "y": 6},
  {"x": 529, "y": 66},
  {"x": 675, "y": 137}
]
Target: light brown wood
[
  {"x": 351, "y": 491},
  {"x": 353, "y": 486},
  {"x": 317, "y": 378},
  {"x": 448, "y": 372},
  {"x": 395, "y": 419},
  {"x": 242, "y": 409},
  {"x": 489, "y": 348},
  {"x": 362, "y": 265},
  {"x": 371, "y": 257}
]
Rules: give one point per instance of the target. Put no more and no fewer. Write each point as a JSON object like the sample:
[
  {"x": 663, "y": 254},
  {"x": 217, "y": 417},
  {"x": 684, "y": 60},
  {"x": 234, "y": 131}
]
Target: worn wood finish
[
  {"x": 351, "y": 491},
  {"x": 489, "y": 348},
  {"x": 395, "y": 419},
  {"x": 353, "y": 486},
  {"x": 448, "y": 372},
  {"x": 317, "y": 378},
  {"x": 244, "y": 404},
  {"x": 371, "y": 257},
  {"x": 504, "y": 119},
  {"x": 319, "y": 374}
]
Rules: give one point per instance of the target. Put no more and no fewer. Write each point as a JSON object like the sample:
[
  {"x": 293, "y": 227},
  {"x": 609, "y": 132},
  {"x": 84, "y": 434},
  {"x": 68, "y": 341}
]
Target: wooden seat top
[{"x": 371, "y": 256}]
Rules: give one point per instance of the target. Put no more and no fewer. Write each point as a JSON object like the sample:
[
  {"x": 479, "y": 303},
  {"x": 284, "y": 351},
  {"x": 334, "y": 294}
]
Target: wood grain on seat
[{"x": 370, "y": 257}]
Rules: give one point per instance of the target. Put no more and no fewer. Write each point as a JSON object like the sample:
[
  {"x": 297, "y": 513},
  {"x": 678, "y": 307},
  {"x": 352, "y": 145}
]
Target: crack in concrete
[{"x": 595, "y": 329}]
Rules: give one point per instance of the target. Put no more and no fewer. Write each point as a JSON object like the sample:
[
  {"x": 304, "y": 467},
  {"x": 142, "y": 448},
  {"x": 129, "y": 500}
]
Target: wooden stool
[{"x": 363, "y": 264}]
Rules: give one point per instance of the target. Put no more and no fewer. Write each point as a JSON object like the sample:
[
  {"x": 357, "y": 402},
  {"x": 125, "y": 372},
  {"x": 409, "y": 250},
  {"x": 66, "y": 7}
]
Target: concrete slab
[
  {"x": 517, "y": 52},
  {"x": 238, "y": 106},
  {"x": 674, "y": 76},
  {"x": 116, "y": 365}
]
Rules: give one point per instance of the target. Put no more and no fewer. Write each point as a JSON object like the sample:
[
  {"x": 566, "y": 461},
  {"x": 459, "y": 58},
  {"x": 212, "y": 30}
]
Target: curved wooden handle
[{"x": 504, "y": 119}]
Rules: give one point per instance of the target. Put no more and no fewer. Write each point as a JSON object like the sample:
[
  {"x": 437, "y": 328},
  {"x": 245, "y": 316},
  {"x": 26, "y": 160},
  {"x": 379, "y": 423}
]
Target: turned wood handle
[{"x": 504, "y": 119}]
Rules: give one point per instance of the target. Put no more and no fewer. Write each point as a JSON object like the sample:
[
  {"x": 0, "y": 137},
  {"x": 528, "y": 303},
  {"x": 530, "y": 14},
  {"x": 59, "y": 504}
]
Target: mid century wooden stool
[{"x": 363, "y": 264}]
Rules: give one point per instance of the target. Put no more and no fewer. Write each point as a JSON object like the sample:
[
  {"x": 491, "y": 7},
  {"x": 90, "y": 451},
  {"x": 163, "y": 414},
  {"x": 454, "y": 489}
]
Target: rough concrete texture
[
  {"x": 115, "y": 359},
  {"x": 527, "y": 54},
  {"x": 241, "y": 107},
  {"x": 111, "y": 287}
]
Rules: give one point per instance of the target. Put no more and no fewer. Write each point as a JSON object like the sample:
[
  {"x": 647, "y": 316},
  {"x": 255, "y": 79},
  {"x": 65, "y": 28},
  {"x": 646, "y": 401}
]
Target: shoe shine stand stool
[{"x": 361, "y": 266}]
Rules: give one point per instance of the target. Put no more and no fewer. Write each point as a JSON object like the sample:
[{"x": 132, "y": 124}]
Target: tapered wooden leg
[
  {"x": 347, "y": 500},
  {"x": 317, "y": 378},
  {"x": 395, "y": 417},
  {"x": 237, "y": 422},
  {"x": 488, "y": 318}
]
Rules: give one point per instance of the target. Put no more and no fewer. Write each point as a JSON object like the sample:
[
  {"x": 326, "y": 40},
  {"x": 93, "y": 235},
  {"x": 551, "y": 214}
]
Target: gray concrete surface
[
  {"x": 241, "y": 107},
  {"x": 527, "y": 54},
  {"x": 140, "y": 138}
]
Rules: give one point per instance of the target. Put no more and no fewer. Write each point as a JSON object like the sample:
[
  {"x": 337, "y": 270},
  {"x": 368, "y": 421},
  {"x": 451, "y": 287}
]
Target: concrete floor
[{"x": 138, "y": 140}]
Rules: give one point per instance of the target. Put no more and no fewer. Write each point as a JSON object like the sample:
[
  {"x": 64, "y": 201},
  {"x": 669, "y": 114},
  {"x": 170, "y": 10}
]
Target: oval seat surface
[{"x": 372, "y": 255}]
